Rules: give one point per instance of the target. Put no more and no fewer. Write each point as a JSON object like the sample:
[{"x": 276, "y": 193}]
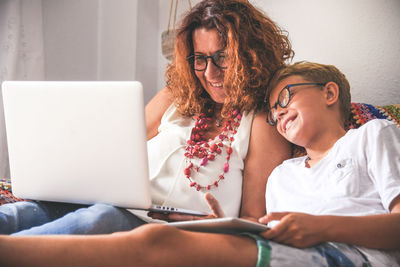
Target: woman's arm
[
  {"x": 155, "y": 110},
  {"x": 304, "y": 230},
  {"x": 267, "y": 149}
]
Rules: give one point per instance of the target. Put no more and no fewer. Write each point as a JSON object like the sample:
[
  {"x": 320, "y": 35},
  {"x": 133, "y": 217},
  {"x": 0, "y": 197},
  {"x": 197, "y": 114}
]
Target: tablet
[{"x": 227, "y": 225}]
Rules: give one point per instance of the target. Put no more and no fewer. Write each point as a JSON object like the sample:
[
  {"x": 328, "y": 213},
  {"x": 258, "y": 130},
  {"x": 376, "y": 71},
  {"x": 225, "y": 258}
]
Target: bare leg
[{"x": 149, "y": 245}]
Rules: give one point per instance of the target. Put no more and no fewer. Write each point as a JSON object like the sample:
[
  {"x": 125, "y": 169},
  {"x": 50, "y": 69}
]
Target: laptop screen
[{"x": 77, "y": 142}]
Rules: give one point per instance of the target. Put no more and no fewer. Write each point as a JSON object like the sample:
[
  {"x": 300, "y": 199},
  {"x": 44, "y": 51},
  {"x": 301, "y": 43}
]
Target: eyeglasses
[
  {"x": 200, "y": 62},
  {"x": 284, "y": 97}
]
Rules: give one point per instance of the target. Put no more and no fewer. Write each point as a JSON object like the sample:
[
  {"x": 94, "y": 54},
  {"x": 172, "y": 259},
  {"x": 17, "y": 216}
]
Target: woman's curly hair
[{"x": 254, "y": 46}]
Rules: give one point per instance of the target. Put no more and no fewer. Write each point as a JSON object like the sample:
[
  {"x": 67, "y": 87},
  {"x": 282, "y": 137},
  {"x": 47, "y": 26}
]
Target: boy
[
  {"x": 352, "y": 180},
  {"x": 337, "y": 206}
]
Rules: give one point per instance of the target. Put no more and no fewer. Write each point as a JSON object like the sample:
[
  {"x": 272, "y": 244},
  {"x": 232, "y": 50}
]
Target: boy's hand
[{"x": 294, "y": 229}]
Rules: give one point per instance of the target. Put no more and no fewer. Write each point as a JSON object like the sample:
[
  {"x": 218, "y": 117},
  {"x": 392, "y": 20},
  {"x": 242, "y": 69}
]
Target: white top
[
  {"x": 359, "y": 176},
  {"x": 170, "y": 187}
]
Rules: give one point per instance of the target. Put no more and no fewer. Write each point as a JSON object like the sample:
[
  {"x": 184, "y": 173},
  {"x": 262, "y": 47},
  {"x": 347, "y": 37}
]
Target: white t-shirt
[
  {"x": 359, "y": 176},
  {"x": 170, "y": 187}
]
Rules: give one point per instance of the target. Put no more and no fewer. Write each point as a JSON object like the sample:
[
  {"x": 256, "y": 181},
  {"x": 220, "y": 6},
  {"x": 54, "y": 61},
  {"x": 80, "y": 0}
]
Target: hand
[
  {"x": 212, "y": 202},
  {"x": 294, "y": 229},
  {"x": 173, "y": 217},
  {"x": 216, "y": 209}
]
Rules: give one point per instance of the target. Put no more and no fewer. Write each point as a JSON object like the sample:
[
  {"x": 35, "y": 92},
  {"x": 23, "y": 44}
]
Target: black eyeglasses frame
[
  {"x": 286, "y": 88},
  {"x": 192, "y": 58}
]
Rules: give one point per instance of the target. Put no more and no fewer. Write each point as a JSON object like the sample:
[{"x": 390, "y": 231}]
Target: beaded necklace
[{"x": 198, "y": 147}]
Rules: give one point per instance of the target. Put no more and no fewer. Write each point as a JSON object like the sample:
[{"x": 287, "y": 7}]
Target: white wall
[
  {"x": 121, "y": 40},
  {"x": 102, "y": 40},
  {"x": 360, "y": 37},
  {"x": 147, "y": 47},
  {"x": 70, "y": 39}
]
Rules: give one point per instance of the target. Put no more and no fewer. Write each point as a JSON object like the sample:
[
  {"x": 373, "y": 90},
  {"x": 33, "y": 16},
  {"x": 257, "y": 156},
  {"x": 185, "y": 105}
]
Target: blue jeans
[{"x": 41, "y": 218}]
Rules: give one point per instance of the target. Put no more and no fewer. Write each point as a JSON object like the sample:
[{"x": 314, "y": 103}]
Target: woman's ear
[{"x": 331, "y": 91}]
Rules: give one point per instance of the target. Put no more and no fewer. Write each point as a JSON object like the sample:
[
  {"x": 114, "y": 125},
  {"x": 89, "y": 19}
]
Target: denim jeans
[{"x": 41, "y": 218}]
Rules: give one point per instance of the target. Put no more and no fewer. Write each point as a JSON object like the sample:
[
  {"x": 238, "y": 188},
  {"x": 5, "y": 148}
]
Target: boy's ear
[{"x": 331, "y": 93}]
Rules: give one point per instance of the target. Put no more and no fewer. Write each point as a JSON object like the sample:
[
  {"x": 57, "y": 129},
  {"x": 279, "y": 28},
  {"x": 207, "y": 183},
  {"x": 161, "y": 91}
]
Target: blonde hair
[
  {"x": 254, "y": 45},
  {"x": 319, "y": 73}
]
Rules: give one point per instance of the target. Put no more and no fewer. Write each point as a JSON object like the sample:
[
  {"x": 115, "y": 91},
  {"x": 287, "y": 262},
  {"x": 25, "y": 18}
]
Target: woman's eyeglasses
[
  {"x": 284, "y": 97},
  {"x": 200, "y": 62}
]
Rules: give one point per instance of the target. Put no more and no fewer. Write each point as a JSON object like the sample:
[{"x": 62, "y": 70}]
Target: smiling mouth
[
  {"x": 288, "y": 123},
  {"x": 216, "y": 84}
]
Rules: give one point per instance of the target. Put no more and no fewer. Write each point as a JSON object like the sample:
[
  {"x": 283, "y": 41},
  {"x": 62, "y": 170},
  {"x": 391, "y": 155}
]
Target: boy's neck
[{"x": 319, "y": 148}]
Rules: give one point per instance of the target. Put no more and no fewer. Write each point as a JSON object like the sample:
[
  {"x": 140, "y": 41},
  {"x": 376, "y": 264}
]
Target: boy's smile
[
  {"x": 296, "y": 121},
  {"x": 286, "y": 124}
]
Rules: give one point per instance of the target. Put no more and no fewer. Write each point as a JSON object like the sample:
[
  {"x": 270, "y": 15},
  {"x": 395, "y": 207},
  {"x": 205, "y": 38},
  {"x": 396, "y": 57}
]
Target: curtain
[{"x": 21, "y": 53}]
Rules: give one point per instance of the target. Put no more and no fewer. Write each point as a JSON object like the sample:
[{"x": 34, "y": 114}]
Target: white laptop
[{"x": 79, "y": 142}]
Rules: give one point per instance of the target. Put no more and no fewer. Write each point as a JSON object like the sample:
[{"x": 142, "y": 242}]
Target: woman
[{"x": 206, "y": 129}]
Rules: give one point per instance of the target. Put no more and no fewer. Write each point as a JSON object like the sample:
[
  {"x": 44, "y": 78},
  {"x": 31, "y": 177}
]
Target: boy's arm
[{"x": 303, "y": 230}]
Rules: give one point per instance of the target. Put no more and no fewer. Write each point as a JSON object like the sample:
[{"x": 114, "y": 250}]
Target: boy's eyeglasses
[
  {"x": 200, "y": 62},
  {"x": 284, "y": 97}
]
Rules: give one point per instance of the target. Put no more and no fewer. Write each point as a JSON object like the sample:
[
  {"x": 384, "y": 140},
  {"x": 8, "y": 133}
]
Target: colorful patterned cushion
[
  {"x": 6, "y": 195},
  {"x": 360, "y": 114}
]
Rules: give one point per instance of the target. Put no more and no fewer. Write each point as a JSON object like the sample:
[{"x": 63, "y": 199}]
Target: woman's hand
[
  {"x": 294, "y": 229},
  {"x": 216, "y": 209},
  {"x": 174, "y": 217}
]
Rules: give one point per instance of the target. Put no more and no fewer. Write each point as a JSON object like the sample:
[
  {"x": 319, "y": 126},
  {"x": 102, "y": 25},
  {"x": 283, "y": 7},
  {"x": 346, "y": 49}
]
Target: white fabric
[
  {"x": 359, "y": 176},
  {"x": 170, "y": 187},
  {"x": 21, "y": 53}
]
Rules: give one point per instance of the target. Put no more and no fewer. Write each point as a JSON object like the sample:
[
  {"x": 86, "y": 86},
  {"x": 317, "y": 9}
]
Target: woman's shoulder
[
  {"x": 155, "y": 110},
  {"x": 260, "y": 125},
  {"x": 161, "y": 101}
]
